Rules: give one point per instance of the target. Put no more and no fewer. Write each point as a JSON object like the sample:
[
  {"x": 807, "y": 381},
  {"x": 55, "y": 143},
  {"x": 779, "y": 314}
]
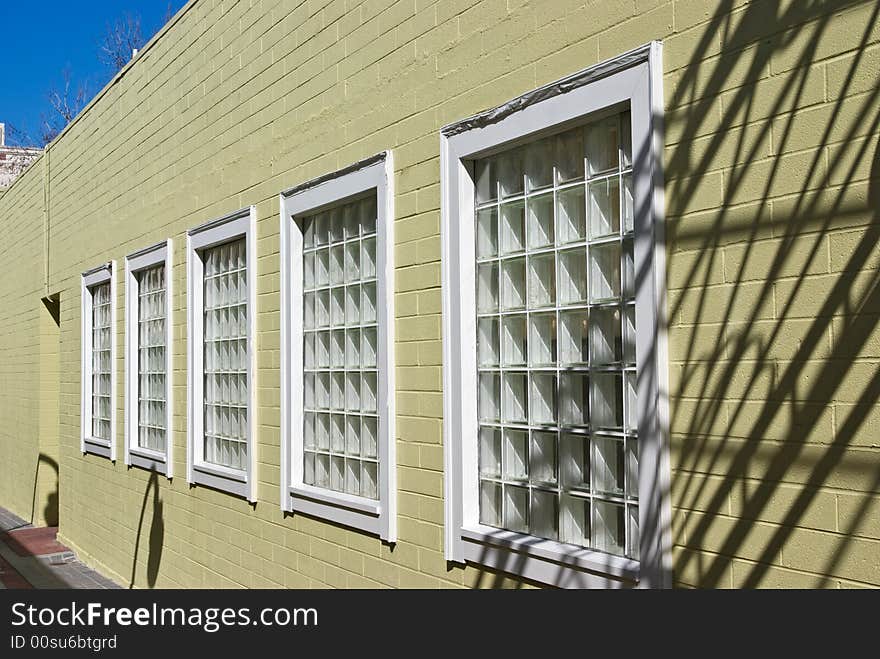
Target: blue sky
[{"x": 41, "y": 38}]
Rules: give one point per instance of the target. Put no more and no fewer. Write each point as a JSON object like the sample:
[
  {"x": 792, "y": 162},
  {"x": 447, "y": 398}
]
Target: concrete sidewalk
[{"x": 31, "y": 557}]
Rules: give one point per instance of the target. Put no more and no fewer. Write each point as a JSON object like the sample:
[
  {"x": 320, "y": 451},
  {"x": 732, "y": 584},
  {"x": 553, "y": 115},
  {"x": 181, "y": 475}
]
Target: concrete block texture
[{"x": 772, "y": 190}]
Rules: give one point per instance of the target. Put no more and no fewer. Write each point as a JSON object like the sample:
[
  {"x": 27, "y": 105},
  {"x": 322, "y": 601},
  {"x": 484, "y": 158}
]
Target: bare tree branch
[
  {"x": 66, "y": 103},
  {"x": 122, "y": 38}
]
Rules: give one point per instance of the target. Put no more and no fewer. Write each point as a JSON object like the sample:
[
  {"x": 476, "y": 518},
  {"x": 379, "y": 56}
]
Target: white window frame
[
  {"x": 137, "y": 456},
  {"x": 634, "y": 78},
  {"x": 89, "y": 444},
  {"x": 240, "y": 482},
  {"x": 377, "y": 517}
]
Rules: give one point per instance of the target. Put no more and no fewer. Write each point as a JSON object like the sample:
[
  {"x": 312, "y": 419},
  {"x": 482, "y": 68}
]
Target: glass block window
[
  {"x": 151, "y": 358},
  {"x": 101, "y": 361},
  {"x": 558, "y": 447},
  {"x": 340, "y": 382},
  {"x": 226, "y": 354}
]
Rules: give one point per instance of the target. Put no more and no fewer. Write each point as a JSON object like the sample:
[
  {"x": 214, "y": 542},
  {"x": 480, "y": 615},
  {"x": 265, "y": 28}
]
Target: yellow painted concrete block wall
[{"x": 771, "y": 115}]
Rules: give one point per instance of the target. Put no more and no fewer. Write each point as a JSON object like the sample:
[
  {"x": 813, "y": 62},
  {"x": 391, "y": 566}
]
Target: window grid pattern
[
  {"x": 101, "y": 362},
  {"x": 558, "y": 449},
  {"x": 340, "y": 381},
  {"x": 226, "y": 354},
  {"x": 151, "y": 358}
]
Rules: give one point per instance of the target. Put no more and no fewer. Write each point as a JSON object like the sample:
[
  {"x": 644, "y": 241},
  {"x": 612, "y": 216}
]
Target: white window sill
[
  {"x": 149, "y": 460},
  {"x": 355, "y": 512},
  {"x": 99, "y": 447},
  {"x": 547, "y": 561},
  {"x": 221, "y": 478}
]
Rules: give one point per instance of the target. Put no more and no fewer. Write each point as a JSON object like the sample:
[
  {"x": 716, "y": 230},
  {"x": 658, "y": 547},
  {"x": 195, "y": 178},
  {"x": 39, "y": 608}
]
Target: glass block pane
[
  {"x": 369, "y": 347},
  {"x": 370, "y": 436},
  {"x": 629, "y": 334},
  {"x": 352, "y": 261},
  {"x": 487, "y": 232},
  {"x": 515, "y": 403},
  {"x": 543, "y": 398},
  {"x": 604, "y": 207},
  {"x": 605, "y": 340},
  {"x": 574, "y": 392},
  {"x": 573, "y": 345},
  {"x": 631, "y": 458},
  {"x": 608, "y": 464},
  {"x": 353, "y": 392},
  {"x": 510, "y": 172},
  {"x": 572, "y": 283},
  {"x": 322, "y": 470},
  {"x": 626, "y": 138},
  {"x": 486, "y": 180},
  {"x": 575, "y": 461},
  {"x": 353, "y": 304},
  {"x": 368, "y": 258},
  {"x": 516, "y": 508},
  {"x": 337, "y": 391},
  {"x": 309, "y": 438},
  {"x": 322, "y": 308},
  {"x": 337, "y": 433},
  {"x": 337, "y": 473},
  {"x": 369, "y": 391},
  {"x": 516, "y": 455},
  {"x": 368, "y": 213},
  {"x": 350, "y": 220},
  {"x": 514, "y": 343},
  {"x": 490, "y": 452},
  {"x": 322, "y": 391},
  {"x": 337, "y": 348},
  {"x": 607, "y": 401},
  {"x": 368, "y": 303},
  {"x": 542, "y": 460},
  {"x": 353, "y": 436},
  {"x": 539, "y": 164},
  {"x": 337, "y": 306},
  {"x": 337, "y": 231},
  {"x": 540, "y": 221},
  {"x": 571, "y": 213},
  {"x": 608, "y": 527},
  {"x": 628, "y": 204},
  {"x": 602, "y": 145},
  {"x": 322, "y": 349},
  {"x": 309, "y": 469},
  {"x": 604, "y": 272},
  {"x": 513, "y": 236},
  {"x": 544, "y": 515},
  {"x": 353, "y": 477},
  {"x": 487, "y": 341},
  {"x": 542, "y": 339},
  {"x": 352, "y": 348},
  {"x": 632, "y": 535},
  {"x": 629, "y": 270},
  {"x": 337, "y": 264},
  {"x": 576, "y": 520},
  {"x": 513, "y": 284},
  {"x": 490, "y": 397},
  {"x": 490, "y": 503},
  {"x": 542, "y": 281},
  {"x": 487, "y": 288},
  {"x": 370, "y": 480},
  {"x": 570, "y": 156},
  {"x": 632, "y": 402},
  {"x": 322, "y": 432},
  {"x": 322, "y": 267}
]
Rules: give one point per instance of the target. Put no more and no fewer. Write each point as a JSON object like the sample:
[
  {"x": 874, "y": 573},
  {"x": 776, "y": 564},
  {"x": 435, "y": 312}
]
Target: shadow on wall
[
  {"x": 50, "y": 510},
  {"x": 770, "y": 350},
  {"x": 157, "y": 534},
  {"x": 768, "y": 357}
]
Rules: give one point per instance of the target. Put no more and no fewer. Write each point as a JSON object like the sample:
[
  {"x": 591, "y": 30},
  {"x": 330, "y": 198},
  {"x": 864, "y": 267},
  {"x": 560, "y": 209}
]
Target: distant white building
[{"x": 13, "y": 159}]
